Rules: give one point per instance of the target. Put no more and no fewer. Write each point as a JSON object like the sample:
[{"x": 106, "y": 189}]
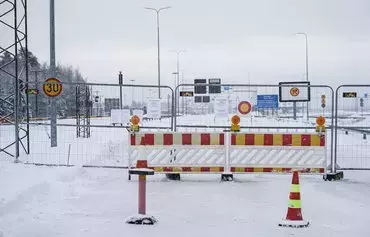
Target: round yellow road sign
[
  {"x": 294, "y": 91},
  {"x": 52, "y": 87}
]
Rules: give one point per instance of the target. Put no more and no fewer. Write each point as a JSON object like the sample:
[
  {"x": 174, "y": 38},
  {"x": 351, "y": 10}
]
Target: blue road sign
[{"x": 267, "y": 101}]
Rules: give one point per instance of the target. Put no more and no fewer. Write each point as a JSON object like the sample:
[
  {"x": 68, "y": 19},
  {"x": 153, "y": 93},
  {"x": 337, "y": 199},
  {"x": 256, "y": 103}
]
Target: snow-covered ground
[
  {"x": 74, "y": 201},
  {"x": 61, "y": 201}
]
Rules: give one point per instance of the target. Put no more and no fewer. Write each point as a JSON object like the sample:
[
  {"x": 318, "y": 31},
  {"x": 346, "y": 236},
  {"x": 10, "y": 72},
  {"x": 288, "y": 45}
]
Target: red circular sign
[
  {"x": 294, "y": 91},
  {"x": 244, "y": 107},
  {"x": 52, "y": 87}
]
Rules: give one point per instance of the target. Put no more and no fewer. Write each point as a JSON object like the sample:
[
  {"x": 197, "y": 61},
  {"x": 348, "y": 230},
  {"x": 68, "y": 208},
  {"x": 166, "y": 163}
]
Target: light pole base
[
  {"x": 141, "y": 220},
  {"x": 16, "y": 161}
]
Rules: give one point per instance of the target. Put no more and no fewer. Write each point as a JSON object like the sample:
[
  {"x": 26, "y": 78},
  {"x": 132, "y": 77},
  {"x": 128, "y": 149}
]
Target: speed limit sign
[{"x": 52, "y": 87}]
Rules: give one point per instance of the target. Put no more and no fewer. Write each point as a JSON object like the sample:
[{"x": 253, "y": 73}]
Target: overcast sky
[{"x": 236, "y": 40}]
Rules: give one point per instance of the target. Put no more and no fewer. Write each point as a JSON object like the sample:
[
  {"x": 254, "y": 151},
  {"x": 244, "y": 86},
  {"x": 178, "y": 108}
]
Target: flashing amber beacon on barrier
[
  {"x": 320, "y": 124},
  {"x": 135, "y": 120},
  {"x": 235, "y": 120}
]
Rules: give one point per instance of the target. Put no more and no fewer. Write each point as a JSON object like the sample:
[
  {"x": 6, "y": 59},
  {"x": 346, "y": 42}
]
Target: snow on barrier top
[{"x": 197, "y": 152}]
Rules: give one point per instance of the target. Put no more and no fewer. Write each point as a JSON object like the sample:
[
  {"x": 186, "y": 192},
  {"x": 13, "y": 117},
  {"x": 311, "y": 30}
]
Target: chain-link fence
[
  {"x": 92, "y": 122},
  {"x": 352, "y": 149}
]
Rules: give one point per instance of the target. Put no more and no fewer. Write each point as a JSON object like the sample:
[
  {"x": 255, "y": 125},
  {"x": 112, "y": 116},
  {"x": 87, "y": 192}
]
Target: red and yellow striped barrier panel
[
  {"x": 275, "y": 170},
  {"x": 195, "y": 169},
  {"x": 220, "y": 169},
  {"x": 169, "y": 139},
  {"x": 277, "y": 139}
]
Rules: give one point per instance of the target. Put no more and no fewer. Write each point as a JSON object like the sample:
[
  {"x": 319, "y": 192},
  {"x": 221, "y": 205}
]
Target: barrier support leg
[
  {"x": 227, "y": 177},
  {"x": 173, "y": 176},
  {"x": 333, "y": 176}
]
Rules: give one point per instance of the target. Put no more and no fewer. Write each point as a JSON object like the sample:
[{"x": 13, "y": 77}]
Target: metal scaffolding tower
[
  {"x": 14, "y": 75},
  {"x": 83, "y": 111}
]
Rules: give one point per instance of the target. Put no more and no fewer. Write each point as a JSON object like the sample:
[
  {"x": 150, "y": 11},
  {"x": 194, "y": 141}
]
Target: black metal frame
[{"x": 304, "y": 83}]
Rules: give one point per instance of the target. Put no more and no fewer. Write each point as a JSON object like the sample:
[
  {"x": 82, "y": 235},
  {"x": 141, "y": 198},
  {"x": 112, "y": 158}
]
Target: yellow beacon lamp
[
  {"x": 235, "y": 120},
  {"x": 320, "y": 124},
  {"x": 135, "y": 120}
]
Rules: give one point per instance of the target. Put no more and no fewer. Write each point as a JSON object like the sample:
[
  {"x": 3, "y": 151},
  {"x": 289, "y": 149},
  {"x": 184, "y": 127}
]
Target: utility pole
[
  {"x": 53, "y": 114},
  {"x": 120, "y": 82}
]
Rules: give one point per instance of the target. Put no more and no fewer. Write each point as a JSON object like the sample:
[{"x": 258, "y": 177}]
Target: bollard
[
  {"x": 141, "y": 218},
  {"x": 142, "y": 194},
  {"x": 141, "y": 170}
]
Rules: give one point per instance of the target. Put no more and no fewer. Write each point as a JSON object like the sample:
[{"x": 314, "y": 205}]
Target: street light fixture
[
  {"x": 159, "y": 61},
  {"x": 306, "y": 40}
]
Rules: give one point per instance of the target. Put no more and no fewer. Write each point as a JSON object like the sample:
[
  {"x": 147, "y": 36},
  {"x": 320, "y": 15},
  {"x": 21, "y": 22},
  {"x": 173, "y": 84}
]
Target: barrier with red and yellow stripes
[
  {"x": 277, "y": 139},
  {"x": 218, "y": 152},
  {"x": 170, "y": 139}
]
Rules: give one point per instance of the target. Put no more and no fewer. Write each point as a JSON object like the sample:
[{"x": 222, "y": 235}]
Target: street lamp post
[
  {"x": 306, "y": 40},
  {"x": 178, "y": 52},
  {"x": 132, "y": 92},
  {"x": 159, "y": 60}
]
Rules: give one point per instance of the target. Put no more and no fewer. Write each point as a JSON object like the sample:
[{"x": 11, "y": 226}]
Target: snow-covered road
[{"x": 60, "y": 201}]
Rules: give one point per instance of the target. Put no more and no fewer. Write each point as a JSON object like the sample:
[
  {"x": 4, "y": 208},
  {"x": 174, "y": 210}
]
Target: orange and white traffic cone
[{"x": 294, "y": 216}]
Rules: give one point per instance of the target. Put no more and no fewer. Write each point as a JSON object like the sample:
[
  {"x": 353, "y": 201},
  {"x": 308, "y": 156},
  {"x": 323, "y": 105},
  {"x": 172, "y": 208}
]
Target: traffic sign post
[
  {"x": 362, "y": 105},
  {"x": 53, "y": 88},
  {"x": 323, "y": 101}
]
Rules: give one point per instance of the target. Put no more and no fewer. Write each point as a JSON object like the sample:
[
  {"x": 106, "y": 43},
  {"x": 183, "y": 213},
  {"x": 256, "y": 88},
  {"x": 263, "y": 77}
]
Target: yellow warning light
[{"x": 235, "y": 120}]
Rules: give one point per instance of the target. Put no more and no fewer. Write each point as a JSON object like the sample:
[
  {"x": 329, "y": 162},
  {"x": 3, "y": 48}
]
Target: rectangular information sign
[
  {"x": 267, "y": 101},
  {"x": 349, "y": 94}
]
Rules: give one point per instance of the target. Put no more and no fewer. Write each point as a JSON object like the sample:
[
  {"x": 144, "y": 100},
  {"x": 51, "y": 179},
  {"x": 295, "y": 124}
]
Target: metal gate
[
  {"x": 352, "y": 113},
  {"x": 196, "y": 109}
]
